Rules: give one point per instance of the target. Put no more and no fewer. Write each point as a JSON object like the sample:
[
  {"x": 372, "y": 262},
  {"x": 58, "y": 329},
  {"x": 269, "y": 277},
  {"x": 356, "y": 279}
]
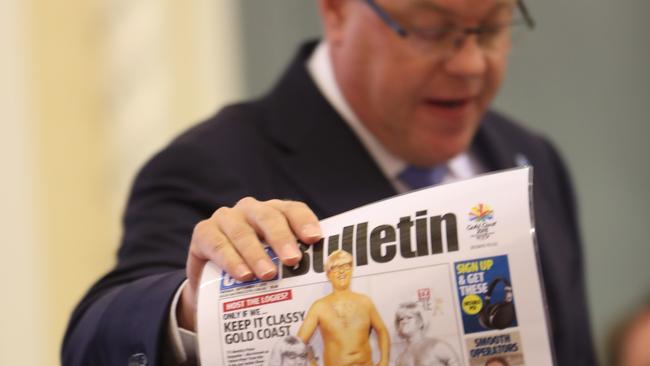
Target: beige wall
[
  {"x": 90, "y": 89},
  {"x": 23, "y": 292}
]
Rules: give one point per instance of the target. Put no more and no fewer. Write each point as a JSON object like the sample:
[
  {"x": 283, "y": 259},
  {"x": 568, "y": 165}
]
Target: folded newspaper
[{"x": 441, "y": 276}]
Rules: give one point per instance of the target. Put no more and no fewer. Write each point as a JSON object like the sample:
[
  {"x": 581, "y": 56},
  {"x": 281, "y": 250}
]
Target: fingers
[
  {"x": 210, "y": 244},
  {"x": 242, "y": 241},
  {"x": 301, "y": 218},
  {"x": 232, "y": 238},
  {"x": 271, "y": 225}
]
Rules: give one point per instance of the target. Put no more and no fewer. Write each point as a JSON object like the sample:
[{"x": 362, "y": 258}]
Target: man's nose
[{"x": 468, "y": 59}]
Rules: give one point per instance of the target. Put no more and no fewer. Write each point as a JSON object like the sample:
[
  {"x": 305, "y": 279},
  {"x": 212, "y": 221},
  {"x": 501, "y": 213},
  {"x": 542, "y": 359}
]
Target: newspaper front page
[{"x": 442, "y": 276}]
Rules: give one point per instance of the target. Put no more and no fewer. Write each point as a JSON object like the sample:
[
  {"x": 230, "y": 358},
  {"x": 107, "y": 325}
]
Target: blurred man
[
  {"x": 345, "y": 319},
  {"x": 394, "y": 98},
  {"x": 421, "y": 350}
]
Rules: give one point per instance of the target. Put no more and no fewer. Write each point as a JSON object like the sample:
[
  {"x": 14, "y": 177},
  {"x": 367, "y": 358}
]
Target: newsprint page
[{"x": 446, "y": 275}]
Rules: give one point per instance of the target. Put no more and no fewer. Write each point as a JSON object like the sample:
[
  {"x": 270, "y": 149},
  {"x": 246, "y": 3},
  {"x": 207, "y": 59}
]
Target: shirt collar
[{"x": 320, "y": 68}]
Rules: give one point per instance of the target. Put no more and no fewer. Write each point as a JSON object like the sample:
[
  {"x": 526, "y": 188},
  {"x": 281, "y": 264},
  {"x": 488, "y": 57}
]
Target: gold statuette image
[
  {"x": 345, "y": 319},
  {"x": 421, "y": 350}
]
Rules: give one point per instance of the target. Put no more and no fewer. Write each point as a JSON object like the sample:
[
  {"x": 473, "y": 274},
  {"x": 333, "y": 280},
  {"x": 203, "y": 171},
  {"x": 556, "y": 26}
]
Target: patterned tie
[{"x": 416, "y": 178}]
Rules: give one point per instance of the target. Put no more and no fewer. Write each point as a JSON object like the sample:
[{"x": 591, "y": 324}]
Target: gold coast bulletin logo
[
  {"x": 481, "y": 213},
  {"x": 481, "y": 221}
]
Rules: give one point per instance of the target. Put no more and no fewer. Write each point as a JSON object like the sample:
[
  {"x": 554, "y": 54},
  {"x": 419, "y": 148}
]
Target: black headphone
[{"x": 501, "y": 314}]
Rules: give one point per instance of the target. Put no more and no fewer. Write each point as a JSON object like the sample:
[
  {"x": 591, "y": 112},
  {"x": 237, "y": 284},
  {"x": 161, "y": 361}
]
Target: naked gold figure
[{"x": 345, "y": 319}]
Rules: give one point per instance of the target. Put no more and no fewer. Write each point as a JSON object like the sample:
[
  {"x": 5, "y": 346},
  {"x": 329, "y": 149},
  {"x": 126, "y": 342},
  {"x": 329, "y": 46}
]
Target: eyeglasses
[{"x": 445, "y": 38}]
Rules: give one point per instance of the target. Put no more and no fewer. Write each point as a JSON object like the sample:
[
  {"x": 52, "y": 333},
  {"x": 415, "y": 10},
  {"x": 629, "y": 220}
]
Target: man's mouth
[{"x": 449, "y": 103}]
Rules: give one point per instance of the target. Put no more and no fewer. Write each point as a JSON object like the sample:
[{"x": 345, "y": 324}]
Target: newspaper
[{"x": 446, "y": 275}]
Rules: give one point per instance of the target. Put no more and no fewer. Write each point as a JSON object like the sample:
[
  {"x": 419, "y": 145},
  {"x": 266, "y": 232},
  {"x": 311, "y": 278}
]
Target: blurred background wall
[{"x": 90, "y": 88}]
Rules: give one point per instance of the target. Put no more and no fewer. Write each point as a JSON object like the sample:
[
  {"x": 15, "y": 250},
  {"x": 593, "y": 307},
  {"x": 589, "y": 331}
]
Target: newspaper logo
[
  {"x": 228, "y": 282},
  {"x": 482, "y": 222}
]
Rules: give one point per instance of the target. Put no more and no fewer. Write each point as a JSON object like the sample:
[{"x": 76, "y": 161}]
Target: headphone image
[{"x": 501, "y": 314}]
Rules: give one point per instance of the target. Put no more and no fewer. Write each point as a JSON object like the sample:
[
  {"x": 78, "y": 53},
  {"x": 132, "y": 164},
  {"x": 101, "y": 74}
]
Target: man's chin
[
  {"x": 429, "y": 157},
  {"x": 432, "y": 147}
]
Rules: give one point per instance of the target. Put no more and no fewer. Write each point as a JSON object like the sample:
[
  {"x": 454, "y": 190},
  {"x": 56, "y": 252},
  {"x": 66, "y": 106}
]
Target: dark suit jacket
[{"x": 292, "y": 144}]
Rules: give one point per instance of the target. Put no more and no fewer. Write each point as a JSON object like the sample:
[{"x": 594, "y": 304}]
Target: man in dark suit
[{"x": 398, "y": 89}]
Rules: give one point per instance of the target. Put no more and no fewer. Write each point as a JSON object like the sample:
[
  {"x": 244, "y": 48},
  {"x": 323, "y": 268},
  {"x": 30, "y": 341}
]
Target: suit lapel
[
  {"x": 491, "y": 148},
  {"x": 317, "y": 151}
]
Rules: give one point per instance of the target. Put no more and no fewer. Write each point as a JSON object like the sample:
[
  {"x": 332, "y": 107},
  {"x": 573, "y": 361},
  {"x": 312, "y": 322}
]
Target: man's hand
[{"x": 232, "y": 237}]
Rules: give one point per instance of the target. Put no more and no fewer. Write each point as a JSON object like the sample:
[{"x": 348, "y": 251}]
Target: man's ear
[{"x": 333, "y": 15}]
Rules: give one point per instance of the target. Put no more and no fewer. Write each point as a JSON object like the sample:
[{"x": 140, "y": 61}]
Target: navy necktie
[{"x": 416, "y": 178}]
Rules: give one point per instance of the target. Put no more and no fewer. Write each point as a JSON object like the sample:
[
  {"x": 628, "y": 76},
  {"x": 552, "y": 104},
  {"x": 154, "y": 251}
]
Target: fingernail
[
  {"x": 265, "y": 269},
  {"x": 242, "y": 272},
  {"x": 291, "y": 252},
  {"x": 312, "y": 231}
]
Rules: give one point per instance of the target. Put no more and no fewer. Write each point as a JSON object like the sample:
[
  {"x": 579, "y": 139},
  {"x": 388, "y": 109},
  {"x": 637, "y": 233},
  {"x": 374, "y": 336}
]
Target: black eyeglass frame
[{"x": 402, "y": 32}]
